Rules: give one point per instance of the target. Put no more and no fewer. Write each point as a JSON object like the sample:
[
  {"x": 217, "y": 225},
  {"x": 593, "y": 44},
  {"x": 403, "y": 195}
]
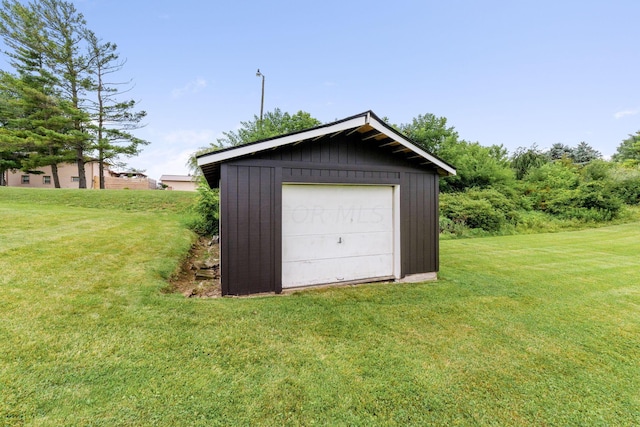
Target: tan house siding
[
  {"x": 179, "y": 182},
  {"x": 113, "y": 183},
  {"x": 181, "y": 186},
  {"x": 68, "y": 175}
]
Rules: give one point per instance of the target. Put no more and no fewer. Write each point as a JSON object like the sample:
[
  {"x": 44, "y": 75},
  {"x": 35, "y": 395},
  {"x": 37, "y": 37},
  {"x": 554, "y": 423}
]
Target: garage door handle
[{"x": 340, "y": 240}]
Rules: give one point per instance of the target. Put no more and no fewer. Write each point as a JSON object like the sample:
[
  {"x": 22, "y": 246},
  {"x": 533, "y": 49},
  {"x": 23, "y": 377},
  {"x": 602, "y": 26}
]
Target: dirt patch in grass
[{"x": 199, "y": 274}]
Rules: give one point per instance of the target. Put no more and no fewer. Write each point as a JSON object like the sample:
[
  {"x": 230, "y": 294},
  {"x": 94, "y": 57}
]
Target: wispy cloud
[
  {"x": 193, "y": 86},
  {"x": 624, "y": 113}
]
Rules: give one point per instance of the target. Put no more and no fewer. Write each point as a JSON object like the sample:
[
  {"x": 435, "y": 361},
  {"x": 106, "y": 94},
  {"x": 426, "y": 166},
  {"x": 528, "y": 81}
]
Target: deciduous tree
[
  {"x": 525, "y": 159},
  {"x": 628, "y": 152},
  {"x": 429, "y": 132},
  {"x": 274, "y": 123}
]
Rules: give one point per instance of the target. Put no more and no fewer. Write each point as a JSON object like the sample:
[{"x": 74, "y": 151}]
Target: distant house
[
  {"x": 68, "y": 176},
  {"x": 179, "y": 182},
  {"x": 132, "y": 180}
]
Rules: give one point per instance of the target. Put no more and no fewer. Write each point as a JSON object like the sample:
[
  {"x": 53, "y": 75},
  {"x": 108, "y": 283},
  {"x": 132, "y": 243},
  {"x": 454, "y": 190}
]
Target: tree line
[
  {"x": 494, "y": 191},
  {"x": 59, "y": 102}
]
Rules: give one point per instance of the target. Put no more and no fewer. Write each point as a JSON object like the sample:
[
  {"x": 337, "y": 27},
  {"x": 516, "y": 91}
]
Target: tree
[
  {"x": 477, "y": 166},
  {"x": 10, "y": 152},
  {"x": 64, "y": 30},
  {"x": 584, "y": 153},
  {"x": 112, "y": 119},
  {"x": 273, "y": 124},
  {"x": 525, "y": 159},
  {"x": 558, "y": 151},
  {"x": 628, "y": 152},
  {"x": 35, "y": 125},
  {"x": 34, "y": 117},
  {"x": 429, "y": 132},
  {"x": 61, "y": 102}
]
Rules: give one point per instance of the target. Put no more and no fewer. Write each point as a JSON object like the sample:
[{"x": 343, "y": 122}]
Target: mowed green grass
[{"x": 519, "y": 330}]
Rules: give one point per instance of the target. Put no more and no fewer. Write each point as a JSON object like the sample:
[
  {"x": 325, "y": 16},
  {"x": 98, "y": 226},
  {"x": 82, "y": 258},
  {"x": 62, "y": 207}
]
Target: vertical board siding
[
  {"x": 435, "y": 221},
  {"x": 251, "y": 206},
  {"x": 419, "y": 225},
  {"x": 247, "y": 239}
]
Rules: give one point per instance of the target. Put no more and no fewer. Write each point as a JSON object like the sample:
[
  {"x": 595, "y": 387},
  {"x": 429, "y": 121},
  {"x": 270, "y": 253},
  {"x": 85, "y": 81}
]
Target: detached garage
[{"x": 350, "y": 201}]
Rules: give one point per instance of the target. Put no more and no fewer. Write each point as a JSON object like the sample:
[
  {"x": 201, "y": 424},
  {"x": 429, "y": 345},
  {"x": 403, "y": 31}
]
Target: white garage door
[{"x": 335, "y": 233}]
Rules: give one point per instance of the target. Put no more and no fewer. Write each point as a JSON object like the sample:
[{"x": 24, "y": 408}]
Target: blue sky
[{"x": 502, "y": 72}]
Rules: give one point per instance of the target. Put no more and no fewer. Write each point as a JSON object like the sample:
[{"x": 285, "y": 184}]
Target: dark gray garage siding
[
  {"x": 251, "y": 200},
  {"x": 248, "y": 223}
]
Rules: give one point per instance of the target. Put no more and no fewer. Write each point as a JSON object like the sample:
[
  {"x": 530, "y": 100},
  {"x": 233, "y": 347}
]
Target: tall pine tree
[
  {"x": 113, "y": 119},
  {"x": 64, "y": 29},
  {"x": 35, "y": 118}
]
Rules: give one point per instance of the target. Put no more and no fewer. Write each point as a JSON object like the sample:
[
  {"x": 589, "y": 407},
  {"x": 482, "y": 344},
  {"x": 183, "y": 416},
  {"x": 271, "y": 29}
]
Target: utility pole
[{"x": 259, "y": 74}]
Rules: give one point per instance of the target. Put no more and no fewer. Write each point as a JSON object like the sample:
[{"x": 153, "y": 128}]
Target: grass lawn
[{"x": 520, "y": 330}]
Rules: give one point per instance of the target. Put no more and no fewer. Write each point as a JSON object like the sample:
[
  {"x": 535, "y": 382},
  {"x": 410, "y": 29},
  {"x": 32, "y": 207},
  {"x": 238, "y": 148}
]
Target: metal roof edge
[
  {"x": 383, "y": 127},
  {"x": 366, "y": 118},
  {"x": 278, "y": 141}
]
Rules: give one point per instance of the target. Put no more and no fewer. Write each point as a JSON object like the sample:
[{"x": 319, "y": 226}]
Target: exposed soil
[{"x": 199, "y": 275}]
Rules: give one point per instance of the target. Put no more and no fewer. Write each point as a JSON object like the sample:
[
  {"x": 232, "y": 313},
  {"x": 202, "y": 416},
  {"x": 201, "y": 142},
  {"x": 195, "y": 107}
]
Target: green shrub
[
  {"x": 598, "y": 195},
  {"x": 590, "y": 202},
  {"x": 450, "y": 227},
  {"x": 498, "y": 201},
  {"x": 626, "y": 185},
  {"x": 597, "y": 170},
  {"x": 207, "y": 209},
  {"x": 462, "y": 209},
  {"x": 554, "y": 175},
  {"x": 557, "y": 201}
]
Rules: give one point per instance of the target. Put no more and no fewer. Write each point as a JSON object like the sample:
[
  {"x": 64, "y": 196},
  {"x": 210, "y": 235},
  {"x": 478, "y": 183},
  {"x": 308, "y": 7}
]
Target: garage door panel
[
  {"x": 325, "y": 270},
  {"x": 297, "y": 220},
  {"x": 330, "y": 246},
  {"x": 324, "y": 195},
  {"x": 333, "y": 233}
]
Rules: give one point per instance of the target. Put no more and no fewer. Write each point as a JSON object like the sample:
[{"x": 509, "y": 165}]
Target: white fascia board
[
  {"x": 403, "y": 141},
  {"x": 244, "y": 150}
]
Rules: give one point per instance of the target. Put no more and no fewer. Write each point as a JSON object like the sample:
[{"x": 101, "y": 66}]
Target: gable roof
[{"x": 370, "y": 126}]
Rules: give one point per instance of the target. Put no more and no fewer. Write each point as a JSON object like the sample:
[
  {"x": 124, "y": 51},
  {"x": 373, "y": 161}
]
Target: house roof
[
  {"x": 181, "y": 178},
  {"x": 370, "y": 127},
  {"x": 128, "y": 172}
]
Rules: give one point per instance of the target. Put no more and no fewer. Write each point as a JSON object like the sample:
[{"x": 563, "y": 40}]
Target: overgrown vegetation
[
  {"x": 498, "y": 193},
  {"x": 529, "y": 330},
  {"x": 207, "y": 206}
]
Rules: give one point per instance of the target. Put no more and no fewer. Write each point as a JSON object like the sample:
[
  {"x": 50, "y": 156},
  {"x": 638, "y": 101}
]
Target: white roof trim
[
  {"x": 242, "y": 150},
  {"x": 354, "y": 122},
  {"x": 406, "y": 143}
]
